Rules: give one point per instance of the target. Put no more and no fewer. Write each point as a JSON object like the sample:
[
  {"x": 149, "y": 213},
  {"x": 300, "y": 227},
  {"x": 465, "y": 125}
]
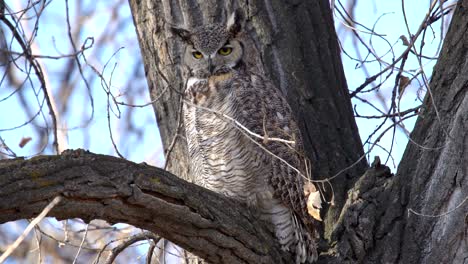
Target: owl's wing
[{"x": 265, "y": 111}]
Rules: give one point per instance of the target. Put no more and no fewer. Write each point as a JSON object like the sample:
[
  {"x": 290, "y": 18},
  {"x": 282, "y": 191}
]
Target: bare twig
[
  {"x": 149, "y": 255},
  {"x": 38, "y": 70},
  {"x": 241, "y": 126},
  {"x": 81, "y": 244},
  {"x": 411, "y": 211},
  {"x": 168, "y": 152},
  {"x": 80, "y": 68},
  {"x": 128, "y": 242},
  {"x": 28, "y": 229}
]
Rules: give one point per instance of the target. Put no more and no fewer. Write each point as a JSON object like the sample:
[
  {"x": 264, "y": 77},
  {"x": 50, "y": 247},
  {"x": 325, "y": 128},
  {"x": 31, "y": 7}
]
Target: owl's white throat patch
[{"x": 193, "y": 80}]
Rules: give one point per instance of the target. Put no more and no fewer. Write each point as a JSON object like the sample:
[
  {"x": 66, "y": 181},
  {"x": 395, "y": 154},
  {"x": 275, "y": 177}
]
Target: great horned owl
[{"x": 233, "y": 119}]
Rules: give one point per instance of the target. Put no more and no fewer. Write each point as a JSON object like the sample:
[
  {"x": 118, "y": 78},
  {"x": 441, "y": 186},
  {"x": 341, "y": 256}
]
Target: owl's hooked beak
[{"x": 211, "y": 67}]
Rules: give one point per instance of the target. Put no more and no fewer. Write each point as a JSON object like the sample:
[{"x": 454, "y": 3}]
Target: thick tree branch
[
  {"x": 212, "y": 226},
  {"x": 104, "y": 187}
]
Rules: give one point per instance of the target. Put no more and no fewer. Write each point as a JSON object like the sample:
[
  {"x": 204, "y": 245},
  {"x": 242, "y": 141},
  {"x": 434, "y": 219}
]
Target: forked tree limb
[{"x": 210, "y": 225}]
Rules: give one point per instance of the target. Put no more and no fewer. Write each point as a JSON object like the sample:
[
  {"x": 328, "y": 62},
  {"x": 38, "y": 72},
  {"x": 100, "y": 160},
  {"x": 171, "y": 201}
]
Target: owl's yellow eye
[
  {"x": 197, "y": 55},
  {"x": 225, "y": 51}
]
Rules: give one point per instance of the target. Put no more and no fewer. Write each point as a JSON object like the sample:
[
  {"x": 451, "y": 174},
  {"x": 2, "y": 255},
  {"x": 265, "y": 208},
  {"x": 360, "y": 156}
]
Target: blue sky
[
  {"x": 118, "y": 59},
  {"x": 387, "y": 20},
  {"x": 122, "y": 56}
]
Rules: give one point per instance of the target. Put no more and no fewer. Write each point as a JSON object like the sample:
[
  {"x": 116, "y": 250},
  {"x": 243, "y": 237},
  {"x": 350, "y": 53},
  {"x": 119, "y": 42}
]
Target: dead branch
[{"x": 130, "y": 241}]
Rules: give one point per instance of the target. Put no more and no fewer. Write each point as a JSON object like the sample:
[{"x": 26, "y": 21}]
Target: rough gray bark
[
  {"x": 104, "y": 187},
  {"x": 298, "y": 50},
  {"x": 432, "y": 178}
]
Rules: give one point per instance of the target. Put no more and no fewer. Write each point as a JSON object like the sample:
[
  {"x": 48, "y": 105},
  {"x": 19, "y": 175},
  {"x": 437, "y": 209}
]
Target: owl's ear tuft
[
  {"x": 183, "y": 33},
  {"x": 235, "y": 22}
]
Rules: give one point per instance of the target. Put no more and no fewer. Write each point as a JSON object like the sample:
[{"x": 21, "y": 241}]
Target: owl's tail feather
[
  {"x": 305, "y": 248},
  {"x": 290, "y": 231}
]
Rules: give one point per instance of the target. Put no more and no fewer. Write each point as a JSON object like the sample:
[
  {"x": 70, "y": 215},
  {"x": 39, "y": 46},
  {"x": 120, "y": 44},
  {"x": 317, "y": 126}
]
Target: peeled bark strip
[{"x": 104, "y": 187}]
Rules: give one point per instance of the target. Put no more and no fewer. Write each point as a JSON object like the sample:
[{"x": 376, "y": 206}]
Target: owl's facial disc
[{"x": 215, "y": 61}]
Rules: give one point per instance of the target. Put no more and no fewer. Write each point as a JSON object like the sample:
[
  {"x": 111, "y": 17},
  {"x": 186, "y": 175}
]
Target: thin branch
[
  {"x": 81, "y": 244},
  {"x": 149, "y": 255},
  {"x": 128, "y": 242},
  {"x": 398, "y": 114},
  {"x": 58, "y": 57},
  {"x": 39, "y": 73},
  {"x": 80, "y": 67},
  {"x": 241, "y": 126},
  {"x": 425, "y": 22},
  {"x": 168, "y": 152},
  {"x": 148, "y": 103},
  {"x": 28, "y": 229},
  {"x": 411, "y": 211}
]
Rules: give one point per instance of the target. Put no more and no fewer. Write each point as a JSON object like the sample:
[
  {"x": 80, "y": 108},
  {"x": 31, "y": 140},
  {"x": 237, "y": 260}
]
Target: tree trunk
[
  {"x": 430, "y": 223},
  {"x": 297, "y": 49},
  {"x": 420, "y": 215}
]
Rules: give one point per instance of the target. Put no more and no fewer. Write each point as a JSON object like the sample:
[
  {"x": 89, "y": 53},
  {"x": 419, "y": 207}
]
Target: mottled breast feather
[{"x": 267, "y": 175}]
